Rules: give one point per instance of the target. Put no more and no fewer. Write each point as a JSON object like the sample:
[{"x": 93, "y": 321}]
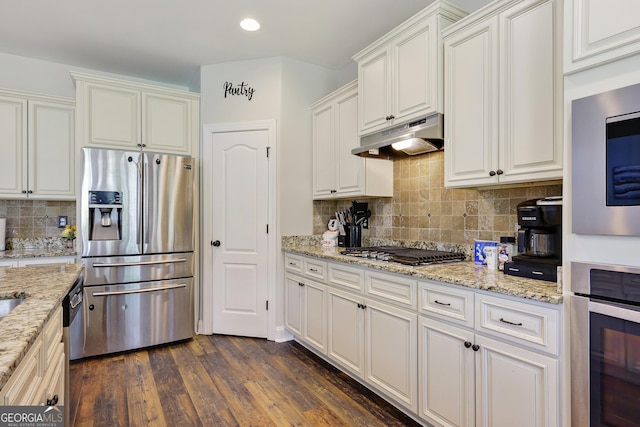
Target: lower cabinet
[
  {"x": 306, "y": 311},
  {"x": 39, "y": 379},
  {"x": 467, "y": 379},
  {"x": 376, "y": 342},
  {"x": 446, "y": 354}
]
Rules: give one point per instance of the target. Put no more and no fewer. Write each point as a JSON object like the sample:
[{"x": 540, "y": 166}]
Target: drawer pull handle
[
  {"x": 510, "y": 323},
  {"x": 292, "y": 263},
  {"x": 539, "y": 273},
  {"x": 513, "y": 269},
  {"x": 313, "y": 269},
  {"x": 442, "y": 303}
]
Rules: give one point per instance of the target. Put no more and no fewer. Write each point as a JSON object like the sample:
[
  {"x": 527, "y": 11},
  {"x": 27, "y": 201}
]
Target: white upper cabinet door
[
  {"x": 599, "y": 31},
  {"x": 503, "y": 96},
  {"x": 530, "y": 142},
  {"x": 374, "y": 79},
  {"x": 415, "y": 72},
  {"x": 323, "y": 151},
  {"x": 471, "y": 107},
  {"x": 113, "y": 117},
  {"x": 51, "y": 144},
  {"x": 166, "y": 123},
  {"x": 13, "y": 144},
  {"x": 350, "y": 169},
  {"x": 400, "y": 74}
]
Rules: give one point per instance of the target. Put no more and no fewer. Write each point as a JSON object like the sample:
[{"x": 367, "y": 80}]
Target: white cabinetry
[
  {"x": 503, "y": 100},
  {"x": 39, "y": 379},
  {"x": 306, "y": 311},
  {"x": 132, "y": 116},
  {"x": 400, "y": 75},
  {"x": 599, "y": 31},
  {"x": 336, "y": 172},
  {"x": 470, "y": 379},
  {"x": 37, "y": 144}
]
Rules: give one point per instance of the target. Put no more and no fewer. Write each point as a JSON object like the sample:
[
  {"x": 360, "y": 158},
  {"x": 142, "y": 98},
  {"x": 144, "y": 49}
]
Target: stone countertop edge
[
  {"x": 464, "y": 273},
  {"x": 44, "y": 288},
  {"x": 37, "y": 253}
]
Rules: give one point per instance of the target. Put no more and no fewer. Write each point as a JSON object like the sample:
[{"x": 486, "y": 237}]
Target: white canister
[{"x": 491, "y": 257}]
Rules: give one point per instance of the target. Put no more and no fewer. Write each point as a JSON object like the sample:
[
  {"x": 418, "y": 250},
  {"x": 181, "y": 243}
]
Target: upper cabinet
[
  {"x": 336, "y": 172},
  {"x": 126, "y": 115},
  {"x": 400, "y": 75},
  {"x": 503, "y": 95},
  {"x": 37, "y": 145},
  {"x": 599, "y": 31}
]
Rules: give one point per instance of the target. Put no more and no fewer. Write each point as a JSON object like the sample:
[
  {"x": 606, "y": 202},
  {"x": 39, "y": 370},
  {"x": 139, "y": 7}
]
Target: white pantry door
[{"x": 239, "y": 188}]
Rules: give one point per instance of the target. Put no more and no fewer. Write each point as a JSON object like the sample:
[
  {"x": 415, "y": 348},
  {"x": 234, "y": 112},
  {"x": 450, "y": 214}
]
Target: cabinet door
[
  {"x": 13, "y": 145},
  {"x": 515, "y": 387},
  {"x": 530, "y": 145},
  {"x": 293, "y": 304},
  {"x": 414, "y": 71},
  {"x": 51, "y": 162},
  {"x": 113, "y": 117},
  {"x": 323, "y": 152},
  {"x": 166, "y": 123},
  {"x": 391, "y": 348},
  {"x": 346, "y": 330},
  {"x": 471, "y": 105},
  {"x": 315, "y": 315},
  {"x": 446, "y": 374},
  {"x": 349, "y": 171},
  {"x": 599, "y": 31},
  {"x": 374, "y": 80}
]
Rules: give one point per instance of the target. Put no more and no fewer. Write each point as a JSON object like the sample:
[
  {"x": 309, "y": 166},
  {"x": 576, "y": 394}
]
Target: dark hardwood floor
[{"x": 222, "y": 381}]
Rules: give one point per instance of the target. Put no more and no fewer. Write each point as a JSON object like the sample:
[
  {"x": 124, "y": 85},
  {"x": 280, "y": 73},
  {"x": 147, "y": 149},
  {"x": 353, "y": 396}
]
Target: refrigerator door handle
[
  {"x": 138, "y": 291},
  {"x": 130, "y": 264}
]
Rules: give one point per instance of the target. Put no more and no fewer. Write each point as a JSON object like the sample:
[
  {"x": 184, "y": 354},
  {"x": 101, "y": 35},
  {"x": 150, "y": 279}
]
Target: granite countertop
[
  {"x": 37, "y": 252},
  {"x": 43, "y": 288},
  {"x": 463, "y": 273}
]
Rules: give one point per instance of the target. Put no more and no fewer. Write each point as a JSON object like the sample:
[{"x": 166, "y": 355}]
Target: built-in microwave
[{"x": 605, "y": 163}]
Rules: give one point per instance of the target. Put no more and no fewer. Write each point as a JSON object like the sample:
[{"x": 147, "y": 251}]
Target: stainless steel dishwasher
[{"x": 71, "y": 335}]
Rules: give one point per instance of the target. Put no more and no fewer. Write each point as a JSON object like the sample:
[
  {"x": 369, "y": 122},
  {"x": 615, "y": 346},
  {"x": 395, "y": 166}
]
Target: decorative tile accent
[{"x": 423, "y": 210}]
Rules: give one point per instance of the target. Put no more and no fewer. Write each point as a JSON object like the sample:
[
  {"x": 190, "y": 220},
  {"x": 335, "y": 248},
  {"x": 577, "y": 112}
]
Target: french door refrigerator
[{"x": 136, "y": 225}]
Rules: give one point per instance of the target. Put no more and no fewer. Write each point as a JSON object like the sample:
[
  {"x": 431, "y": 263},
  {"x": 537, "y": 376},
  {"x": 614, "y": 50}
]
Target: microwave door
[{"x": 167, "y": 203}]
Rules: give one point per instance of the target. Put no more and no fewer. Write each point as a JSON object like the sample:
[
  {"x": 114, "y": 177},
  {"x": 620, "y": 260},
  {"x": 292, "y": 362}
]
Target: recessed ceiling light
[{"x": 250, "y": 24}]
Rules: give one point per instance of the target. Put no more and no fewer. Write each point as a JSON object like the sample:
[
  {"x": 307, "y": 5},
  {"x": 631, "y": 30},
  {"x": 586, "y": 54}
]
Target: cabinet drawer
[
  {"x": 315, "y": 269},
  {"x": 52, "y": 334},
  {"x": 345, "y": 276},
  {"x": 293, "y": 263},
  {"x": 400, "y": 290},
  {"x": 532, "y": 325},
  {"x": 22, "y": 389},
  {"x": 446, "y": 303}
]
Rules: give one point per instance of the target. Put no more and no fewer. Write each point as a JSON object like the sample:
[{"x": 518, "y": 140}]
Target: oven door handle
[
  {"x": 133, "y": 264},
  {"x": 614, "y": 311},
  {"x": 138, "y": 291}
]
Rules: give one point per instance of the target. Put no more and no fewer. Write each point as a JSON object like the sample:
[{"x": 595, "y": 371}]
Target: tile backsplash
[
  {"x": 35, "y": 218},
  {"x": 423, "y": 210}
]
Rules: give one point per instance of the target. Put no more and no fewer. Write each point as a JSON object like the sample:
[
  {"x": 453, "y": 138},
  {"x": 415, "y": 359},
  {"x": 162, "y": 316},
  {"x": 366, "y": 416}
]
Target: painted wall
[{"x": 49, "y": 78}]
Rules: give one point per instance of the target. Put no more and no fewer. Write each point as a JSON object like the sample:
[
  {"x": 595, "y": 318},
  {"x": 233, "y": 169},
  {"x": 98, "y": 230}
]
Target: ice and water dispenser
[{"x": 105, "y": 215}]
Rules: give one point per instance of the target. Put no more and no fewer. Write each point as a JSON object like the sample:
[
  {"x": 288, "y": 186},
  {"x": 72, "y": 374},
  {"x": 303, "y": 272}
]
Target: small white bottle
[{"x": 492, "y": 257}]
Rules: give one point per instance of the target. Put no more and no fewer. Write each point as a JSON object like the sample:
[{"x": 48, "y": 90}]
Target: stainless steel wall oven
[
  {"x": 605, "y": 345},
  {"x": 606, "y": 163}
]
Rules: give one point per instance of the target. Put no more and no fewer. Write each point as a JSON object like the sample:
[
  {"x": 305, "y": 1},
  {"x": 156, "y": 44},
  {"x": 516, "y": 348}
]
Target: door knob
[{"x": 215, "y": 243}]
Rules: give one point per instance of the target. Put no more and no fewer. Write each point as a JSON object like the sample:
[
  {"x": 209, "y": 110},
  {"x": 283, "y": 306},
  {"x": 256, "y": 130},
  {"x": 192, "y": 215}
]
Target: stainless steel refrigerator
[{"x": 136, "y": 231}]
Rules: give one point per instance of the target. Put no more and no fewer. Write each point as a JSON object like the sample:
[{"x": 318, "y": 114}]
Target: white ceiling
[{"x": 168, "y": 40}]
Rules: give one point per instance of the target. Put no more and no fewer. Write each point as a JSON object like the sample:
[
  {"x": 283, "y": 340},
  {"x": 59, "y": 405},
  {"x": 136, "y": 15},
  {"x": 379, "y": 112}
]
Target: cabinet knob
[
  {"x": 467, "y": 344},
  {"x": 300, "y": 284},
  {"x": 499, "y": 171},
  {"x": 390, "y": 117},
  {"x": 24, "y": 191},
  {"x": 492, "y": 173},
  {"x": 475, "y": 347},
  {"x": 29, "y": 192},
  {"x": 333, "y": 191}
]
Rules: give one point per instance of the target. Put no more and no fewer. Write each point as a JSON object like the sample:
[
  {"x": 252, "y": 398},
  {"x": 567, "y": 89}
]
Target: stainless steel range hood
[{"x": 417, "y": 137}]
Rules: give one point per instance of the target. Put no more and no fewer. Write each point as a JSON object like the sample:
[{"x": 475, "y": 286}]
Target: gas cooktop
[{"x": 405, "y": 256}]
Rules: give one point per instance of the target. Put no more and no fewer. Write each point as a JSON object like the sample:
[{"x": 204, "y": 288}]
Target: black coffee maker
[{"x": 539, "y": 240}]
